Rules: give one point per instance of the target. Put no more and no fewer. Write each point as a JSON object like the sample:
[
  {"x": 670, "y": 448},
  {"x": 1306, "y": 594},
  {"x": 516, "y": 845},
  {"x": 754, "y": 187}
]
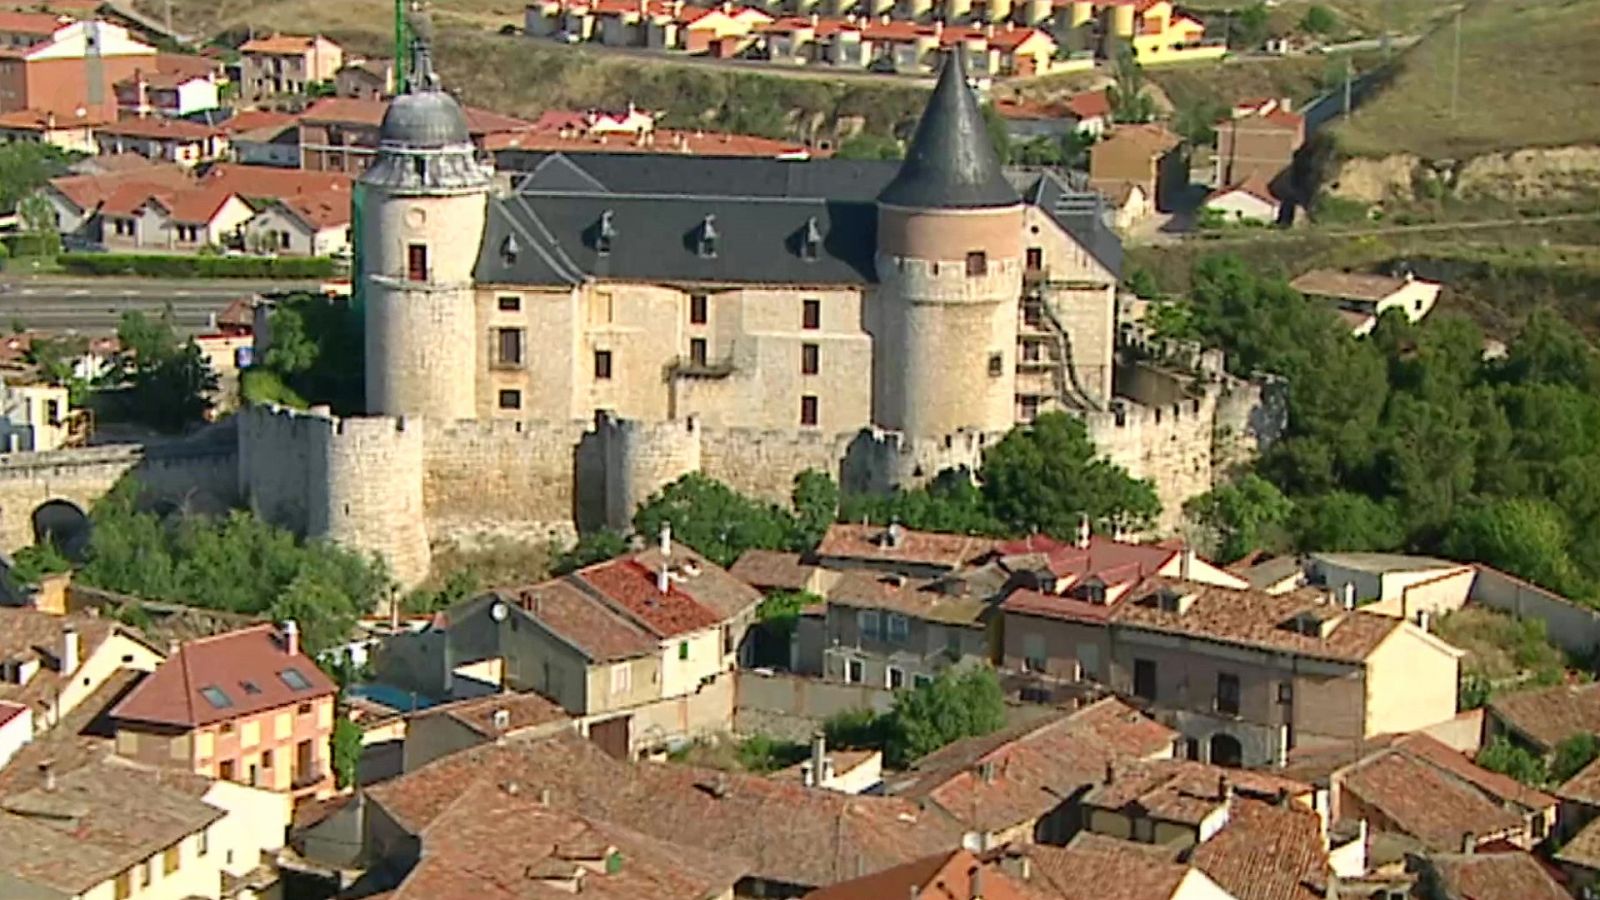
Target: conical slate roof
[{"x": 951, "y": 163}]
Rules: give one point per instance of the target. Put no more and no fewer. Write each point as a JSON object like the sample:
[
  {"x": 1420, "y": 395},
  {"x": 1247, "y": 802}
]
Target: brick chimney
[
  {"x": 70, "y": 647},
  {"x": 291, "y": 637}
]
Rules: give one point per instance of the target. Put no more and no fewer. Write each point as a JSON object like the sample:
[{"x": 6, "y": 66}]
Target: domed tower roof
[
  {"x": 951, "y": 163},
  {"x": 424, "y": 117}
]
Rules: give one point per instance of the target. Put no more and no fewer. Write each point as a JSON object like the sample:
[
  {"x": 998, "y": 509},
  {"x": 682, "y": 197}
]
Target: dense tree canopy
[
  {"x": 1409, "y": 439},
  {"x": 24, "y": 168},
  {"x": 170, "y": 384}
]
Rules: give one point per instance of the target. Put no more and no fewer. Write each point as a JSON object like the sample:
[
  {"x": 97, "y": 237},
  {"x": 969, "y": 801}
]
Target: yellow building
[{"x": 1159, "y": 33}]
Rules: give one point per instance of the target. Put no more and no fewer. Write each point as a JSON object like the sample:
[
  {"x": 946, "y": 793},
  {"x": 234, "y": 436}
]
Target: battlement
[{"x": 947, "y": 281}]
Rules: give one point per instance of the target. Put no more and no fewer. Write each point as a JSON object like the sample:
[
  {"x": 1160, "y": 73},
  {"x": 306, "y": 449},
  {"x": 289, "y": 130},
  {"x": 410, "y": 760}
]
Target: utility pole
[{"x": 1455, "y": 70}]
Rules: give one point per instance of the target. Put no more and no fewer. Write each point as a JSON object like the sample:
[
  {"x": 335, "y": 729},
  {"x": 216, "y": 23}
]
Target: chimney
[
  {"x": 977, "y": 883},
  {"x": 1347, "y": 595},
  {"x": 1422, "y": 619},
  {"x": 291, "y": 637},
  {"x": 819, "y": 755},
  {"x": 1186, "y": 563},
  {"x": 666, "y": 538},
  {"x": 47, "y": 772},
  {"x": 1083, "y": 531},
  {"x": 69, "y": 650},
  {"x": 661, "y": 578},
  {"x": 1469, "y": 843}
]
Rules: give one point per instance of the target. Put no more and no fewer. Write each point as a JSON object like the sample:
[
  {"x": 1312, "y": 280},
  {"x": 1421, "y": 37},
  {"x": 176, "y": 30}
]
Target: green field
[{"x": 1527, "y": 78}]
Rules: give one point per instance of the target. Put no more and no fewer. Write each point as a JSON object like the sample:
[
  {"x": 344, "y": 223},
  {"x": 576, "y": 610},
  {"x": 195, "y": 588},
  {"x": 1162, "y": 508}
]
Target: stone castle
[{"x": 549, "y": 344}]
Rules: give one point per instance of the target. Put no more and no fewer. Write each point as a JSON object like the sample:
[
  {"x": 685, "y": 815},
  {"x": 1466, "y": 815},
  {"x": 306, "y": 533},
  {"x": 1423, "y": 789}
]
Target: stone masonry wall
[{"x": 511, "y": 479}]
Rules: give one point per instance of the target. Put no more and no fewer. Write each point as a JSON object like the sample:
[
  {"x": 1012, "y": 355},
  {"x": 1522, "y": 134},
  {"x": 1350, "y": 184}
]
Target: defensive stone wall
[{"x": 532, "y": 479}]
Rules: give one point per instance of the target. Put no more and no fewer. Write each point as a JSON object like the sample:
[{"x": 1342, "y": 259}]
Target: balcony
[{"x": 690, "y": 367}]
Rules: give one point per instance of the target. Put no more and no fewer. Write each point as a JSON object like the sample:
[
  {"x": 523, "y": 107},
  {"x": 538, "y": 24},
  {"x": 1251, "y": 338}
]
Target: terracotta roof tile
[
  {"x": 329, "y": 210},
  {"x": 1583, "y": 787},
  {"x": 951, "y": 875},
  {"x": 220, "y": 678},
  {"x": 1490, "y": 876},
  {"x": 659, "y": 140},
  {"x": 30, "y": 635},
  {"x": 1548, "y": 716},
  {"x": 918, "y": 598},
  {"x": 872, "y": 543},
  {"x": 195, "y": 206},
  {"x": 1182, "y": 791},
  {"x": 1423, "y": 802},
  {"x": 1266, "y": 852},
  {"x": 1583, "y": 848},
  {"x": 32, "y": 23},
  {"x": 349, "y": 110},
  {"x": 1347, "y": 285},
  {"x": 631, "y": 585},
  {"x": 523, "y": 712},
  {"x": 160, "y": 128},
  {"x": 1096, "y": 867},
  {"x": 769, "y": 570},
  {"x": 1501, "y": 787},
  {"x": 582, "y": 621},
  {"x": 90, "y": 191},
  {"x": 270, "y": 181},
  {"x": 279, "y": 44}
]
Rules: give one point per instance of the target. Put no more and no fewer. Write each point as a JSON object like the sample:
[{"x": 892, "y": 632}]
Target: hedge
[{"x": 157, "y": 266}]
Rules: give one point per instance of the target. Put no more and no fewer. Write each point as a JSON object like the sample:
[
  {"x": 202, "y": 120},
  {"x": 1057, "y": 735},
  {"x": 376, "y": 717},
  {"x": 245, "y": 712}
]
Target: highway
[{"x": 95, "y": 305}]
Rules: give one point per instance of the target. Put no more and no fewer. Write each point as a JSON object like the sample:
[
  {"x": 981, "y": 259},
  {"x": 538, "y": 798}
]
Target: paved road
[{"x": 94, "y": 305}]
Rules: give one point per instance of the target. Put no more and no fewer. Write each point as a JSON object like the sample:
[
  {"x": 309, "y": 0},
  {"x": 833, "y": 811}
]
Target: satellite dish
[{"x": 497, "y": 611}]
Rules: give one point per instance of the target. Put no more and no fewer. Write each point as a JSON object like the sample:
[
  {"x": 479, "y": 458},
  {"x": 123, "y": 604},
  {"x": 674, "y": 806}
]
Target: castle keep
[{"x": 549, "y": 344}]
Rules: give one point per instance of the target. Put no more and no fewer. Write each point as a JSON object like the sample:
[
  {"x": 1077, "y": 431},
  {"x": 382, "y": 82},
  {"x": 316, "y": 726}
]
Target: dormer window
[
  {"x": 509, "y": 248},
  {"x": 606, "y": 233},
  {"x": 707, "y": 240},
  {"x": 811, "y": 241}
]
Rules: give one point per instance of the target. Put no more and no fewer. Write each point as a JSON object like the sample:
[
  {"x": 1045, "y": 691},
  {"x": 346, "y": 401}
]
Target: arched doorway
[
  {"x": 64, "y": 524},
  {"x": 1226, "y": 751}
]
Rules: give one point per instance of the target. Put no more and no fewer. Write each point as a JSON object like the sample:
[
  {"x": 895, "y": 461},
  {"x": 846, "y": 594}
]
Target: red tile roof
[
  {"x": 1421, "y": 801},
  {"x": 772, "y": 570},
  {"x": 1096, "y": 867},
  {"x": 352, "y": 111},
  {"x": 952, "y": 875},
  {"x": 184, "y": 64},
  {"x": 329, "y": 210},
  {"x": 1187, "y": 792},
  {"x": 1090, "y": 104},
  {"x": 1266, "y": 852},
  {"x": 160, "y": 128},
  {"x": 581, "y": 621},
  {"x": 872, "y": 543},
  {"x": 660, "y": 140},
  {"x": 270, "y": 181},
  {"x": 252, "y": 119},
  {"x": 1548, "y": 716},
  {"x": 632, "y": 587},
  {"x": 1501, "y": 787},
  {"x": 9, "y": 711},
  {"x": 196, "y": 206},
  {"x": 38, "y": 24},
  {"x": 280, "y": 44},
  {"x": 1491, "y": 876},
  {"x": 219, "y": 678},
  {"x": 522, "y": 712}
]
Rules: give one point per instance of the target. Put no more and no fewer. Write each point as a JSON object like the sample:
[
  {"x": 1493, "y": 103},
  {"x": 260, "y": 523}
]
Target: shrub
[{"x": 159, "y": 266}]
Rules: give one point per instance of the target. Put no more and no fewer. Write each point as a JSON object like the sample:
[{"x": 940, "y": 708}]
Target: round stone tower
[
  {"x": 949, "y": 266},
  {"x": 424, "y": 201}
]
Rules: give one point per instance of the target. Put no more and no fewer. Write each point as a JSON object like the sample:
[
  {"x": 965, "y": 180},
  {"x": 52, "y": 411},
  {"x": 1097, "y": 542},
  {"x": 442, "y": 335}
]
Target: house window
[
  {"x": 697, "y": 309},
  {"x": 510, "y": 399},
  {"x": 899, "y": 628},
  {"x": 205, "y": 842},
  {"x": 1285, "y": 692},
  {"x": 170, "y": 860},
  {"x": 810, "y": 359},
  {"x": 266, "y": 759},
  {"x": 1035, "y": 259},
  {"x": 896, "y": 678},
  {"x": 509, "y": 304},
  {"x": 1033, "y": 315},
  {"x": 808, "y": 410},
  {"x": 683, "y": 649},
  {"x": 227, "y": 769},
  {"x": 508, "y": 346},
  {"x": 977, "y": 263},
  {"x": 1144, "y": 679},
  {"x": 602, "y": 364},
  {"x": 283, "y": 240},
  {"x": 1030, "y": 408},
  {"x": 1031, "y": 351},
  {"x": 1033, "y": 653},
  {"x": 417, "y": 262},
  {"x": 697, "y": 351},
  {"x": 303, "y": 709},
  {"x": 920, "y": 680},
  {"x": 811, "y": 315},
  {"x": 997, "y": 365},
  {"x": 870, "y": 624},
  {"x": 1227, "y": 693},
  {"x": 621, "y": 679},
  {"x": 854, "y": 671}
]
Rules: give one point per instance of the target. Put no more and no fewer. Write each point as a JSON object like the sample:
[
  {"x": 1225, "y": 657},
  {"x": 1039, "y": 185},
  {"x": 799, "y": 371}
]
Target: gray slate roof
[{"x": 951, "y": 162}]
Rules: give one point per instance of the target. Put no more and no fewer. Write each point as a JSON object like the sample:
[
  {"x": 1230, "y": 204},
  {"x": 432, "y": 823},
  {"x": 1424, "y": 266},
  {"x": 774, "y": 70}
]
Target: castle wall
[
  {"x": 1168, "y": 444},
  {"x": 530, "y": 479},
  {"x": 643, "y": 457}
]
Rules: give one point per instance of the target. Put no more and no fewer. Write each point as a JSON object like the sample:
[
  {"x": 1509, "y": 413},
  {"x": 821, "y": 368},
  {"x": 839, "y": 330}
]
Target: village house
[
  {"x": 1017, "y": 784},
  {"x": 1095, "y": 867},
  {"x": 50, "y": 662},
  {"x": 35, "y": 414},
  {"x": 246, "y": 707},
  {"x": 1541, "y": 718},
  {"x": 1181, "y": 804},
  {"x": 367, "y": 79},
  {"x": 845, "y": 771},
  {"x": 1360, "y": 298},
  {"x": 169, "y": 140},
  {"x": 183, "y": 221},
  {"x": 260, "y": 137},
  {"x": 1246, "y": 676},
  {"x": 72, "y": 134},
  {"x": 1251, "y": 200},
  {"x": 1469, "y": 876},
  {"x": 1579, "y": 828},
  {"x": 1258, "y": 145},
  {"x": 286, "y": 64},
  {"x": 1156, "y": 31},
  {"x": 447, "y": 728},
  {"x": 788, "y": 838},
  {"x": 48, "y": 71},
  {"x": 952, "y": 875},
  {"x": 1148, "y": 158},
  {"x": 111, "y": 829},
  {"x": 302, "y": 225},
  {"x": 175, "y": 86},
  {"x": 1086, "y": 112}
]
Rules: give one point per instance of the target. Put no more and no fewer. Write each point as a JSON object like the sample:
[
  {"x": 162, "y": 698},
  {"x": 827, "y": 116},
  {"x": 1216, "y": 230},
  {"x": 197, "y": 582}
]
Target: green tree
[
  {"x": 950, "y": 503},
  {"x": 816, "y": 506},
  {"x": 317, "y": 352},
  {"x": 1525, "y": 536},
  {"x": 1047, "y": 475},
  {"x": 56, "y": 359},
  {"x": 346, "y": 751},
  {"x": 948, "y": 708},
  {"x": 592, "y": 547},
  {"x": 1197, "y": 121},
  {"x": 24, "y": 168},
  {"x": 719, "y": 523},
  {"x": 999, "y": 136},
  {"x": 1250, "y": 514},
  {"x": 1500, "y": 755},
  {"x": 1319, "y": 20},
  {"x": 170, "y": 384},
  {"x": 31, "y": 563},
  {"x": 1572, "y": 755},
  {"x": 1130, "y": 101},
  {"x": 1142, "y": 283},
  {"x": 39, "y": 224},
  {"x": 1346, "y": 521},
  {"x": 1250, "y": 27},
  {"x": 865, "y": 145}
]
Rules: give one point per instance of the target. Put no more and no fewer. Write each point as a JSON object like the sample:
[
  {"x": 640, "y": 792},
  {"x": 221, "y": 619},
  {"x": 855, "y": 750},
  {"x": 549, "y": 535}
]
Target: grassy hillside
[{"x": 1528, "y": 77}]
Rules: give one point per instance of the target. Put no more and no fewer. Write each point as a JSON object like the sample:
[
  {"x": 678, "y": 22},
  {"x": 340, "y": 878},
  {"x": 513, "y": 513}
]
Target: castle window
[
  {"x": 602, "y": 364},
  {"x": 1030, "y": 408},
  {"x": 417, "y": 262},
  {"x": 1033, "y": 315},
  {"x": 997, "y": 365},
  {"x": 808, "y": 410},
  {"x": 977, "y": 263},
  {"x": 811, "y": 240},
  {"x": 697, "y": 351},
  {"x": 420, "y": 164},
  {"x": 508, "y": 346},
  {"x": 510, "y": 399},
  {"x": 811, "y": 315},
  {"x": 1035, "y": 259},
  {"x": 509, "y": 304},
  {"x": 606, "y": 233},
  {"x": 509, "y": 248},
  {"x": 708, "y": 237},
  {"x": 810, "y": 359},
  {"x": 697, "y": 309}
]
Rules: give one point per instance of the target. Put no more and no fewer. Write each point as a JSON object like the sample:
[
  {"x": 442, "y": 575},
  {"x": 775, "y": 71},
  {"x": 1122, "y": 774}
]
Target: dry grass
[
  {"x": 1356, "y": 17},
  {"x": 1501, "y": 648},
  {"x": 1528, "y": 78}
]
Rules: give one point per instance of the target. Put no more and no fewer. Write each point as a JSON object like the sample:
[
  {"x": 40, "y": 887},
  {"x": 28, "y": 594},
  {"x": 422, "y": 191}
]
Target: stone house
[
  {"x": 1467, "y": 876},
  {"x": 447, "y": 728},
  {"x": 286, "y": 64},
  {"x": 1182, "y": 804},
  {"x": 1246, "y": 676},
  {"x": 895, "y": 632},
  {"x": 1148, "y": 157},
  {"x": 245, "y": 707}
]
